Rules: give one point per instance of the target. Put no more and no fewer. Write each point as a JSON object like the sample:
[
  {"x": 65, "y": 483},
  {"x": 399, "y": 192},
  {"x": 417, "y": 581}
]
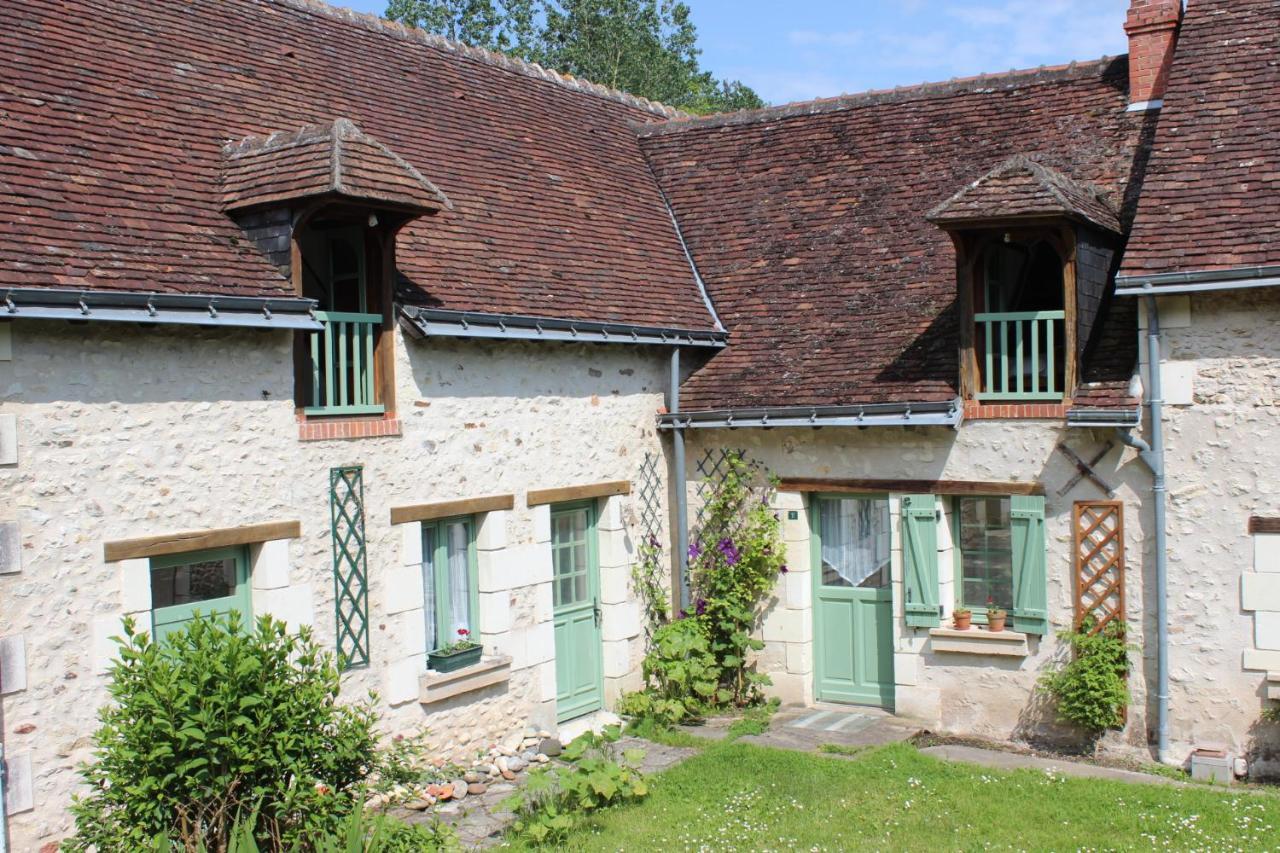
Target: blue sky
[{"x": 806, "y": 49}]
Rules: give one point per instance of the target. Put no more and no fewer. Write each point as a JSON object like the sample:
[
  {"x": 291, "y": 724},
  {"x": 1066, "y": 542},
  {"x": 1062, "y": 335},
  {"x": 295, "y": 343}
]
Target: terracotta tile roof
[
  {"x": 1111, "y": 359},
  {"x": 115, "y": 114},
  {"x": 333, "y": 159},
  {"x": 1022, "y": 188},
  {"x": 1212, "y": 195},
  {"x": 808, "y": 223}
]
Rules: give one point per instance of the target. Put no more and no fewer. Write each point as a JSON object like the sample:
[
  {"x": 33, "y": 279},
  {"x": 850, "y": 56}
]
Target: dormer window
[
  {"x": 1020, "y": 337},
  {"x": 342, "y": 360},
  {"x": 324, "y": 204},
  {"x": 1034, "y": 256}
]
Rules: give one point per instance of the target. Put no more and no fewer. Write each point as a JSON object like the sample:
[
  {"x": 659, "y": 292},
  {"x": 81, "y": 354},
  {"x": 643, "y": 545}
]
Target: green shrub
[
  {"x": 1271, "y": 714},
  {"x": 555, "y": 799},
  {"x": 221, "y": 722},
  {"x": 1090, "y": 689},
  {"x": 681, "y": 675}
]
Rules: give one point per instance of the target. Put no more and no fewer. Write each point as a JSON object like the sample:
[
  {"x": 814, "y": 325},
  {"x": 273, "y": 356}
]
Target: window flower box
[{"x": 449, "y": 660}]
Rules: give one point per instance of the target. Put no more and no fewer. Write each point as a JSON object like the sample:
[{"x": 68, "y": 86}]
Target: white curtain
[
  {"x": 459, "y": 580},
  {"x": 855, "y": 537}
]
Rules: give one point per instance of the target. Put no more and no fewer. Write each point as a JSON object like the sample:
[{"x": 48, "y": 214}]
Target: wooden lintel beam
[
  {"x": 911, "y": 487},
  {"x": 449, "y": 509},
  {"x": 579, "y": 493},
  {"x": 1257, "y": 524},
  {"x": 199, "y": 540}
]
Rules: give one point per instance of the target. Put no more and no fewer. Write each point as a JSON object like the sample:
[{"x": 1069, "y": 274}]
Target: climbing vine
[{"x": 701, "y": 660}]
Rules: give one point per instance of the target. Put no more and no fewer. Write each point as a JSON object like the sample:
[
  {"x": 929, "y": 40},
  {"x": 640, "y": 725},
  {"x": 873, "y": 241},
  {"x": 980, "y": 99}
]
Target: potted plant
[
  {"x": 962, "y": 618},
  {"x": 463, "y": 651},
  {"x": 995, "y": 618}
]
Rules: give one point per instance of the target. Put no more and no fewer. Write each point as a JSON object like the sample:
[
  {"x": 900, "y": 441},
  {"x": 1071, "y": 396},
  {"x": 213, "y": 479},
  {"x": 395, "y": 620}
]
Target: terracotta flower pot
[
  {"x": 962, "y": 621},
  {"x": 996, "y": 623}
]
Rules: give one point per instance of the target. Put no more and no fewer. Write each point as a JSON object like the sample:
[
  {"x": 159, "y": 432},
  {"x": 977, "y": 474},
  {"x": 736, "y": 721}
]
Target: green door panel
[
  {"x": 853, "y": 624},
  {"x": 576, "y": 595}
]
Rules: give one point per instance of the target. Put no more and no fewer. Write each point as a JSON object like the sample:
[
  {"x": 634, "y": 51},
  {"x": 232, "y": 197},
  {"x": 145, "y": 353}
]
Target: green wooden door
[
  {"x": 576, "y": 594},
  {"x": 207, "y": 582},
  {"x": 853, "y": 600}
]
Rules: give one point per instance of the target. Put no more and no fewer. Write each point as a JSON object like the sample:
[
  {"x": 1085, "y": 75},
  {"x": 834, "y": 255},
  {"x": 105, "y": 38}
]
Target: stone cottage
[{"x": 307, "y": 313}]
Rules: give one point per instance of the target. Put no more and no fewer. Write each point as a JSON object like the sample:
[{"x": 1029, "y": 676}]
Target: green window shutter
[
  {"x": 920, "y": 560},
  {"x": 1030, "y": 587}
]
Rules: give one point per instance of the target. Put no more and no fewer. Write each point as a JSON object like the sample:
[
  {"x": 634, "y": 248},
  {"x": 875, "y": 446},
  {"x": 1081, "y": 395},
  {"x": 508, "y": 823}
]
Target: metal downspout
[
  {"x": 1153, "y": 456},
  {"x": 681, "y": 487},
  {"x": 4, "y": 819}
]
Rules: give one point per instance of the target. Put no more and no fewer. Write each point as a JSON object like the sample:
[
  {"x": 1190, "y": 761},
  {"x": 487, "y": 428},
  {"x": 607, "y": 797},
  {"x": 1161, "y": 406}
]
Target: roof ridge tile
[
  {"x": 978, "y": 83},
  {"x": 479, "y": 54}
]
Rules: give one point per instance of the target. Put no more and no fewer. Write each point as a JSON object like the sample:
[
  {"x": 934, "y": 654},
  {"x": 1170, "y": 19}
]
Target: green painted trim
[
  {"x": 920, "y": 587},
  {"x": 440, "y": 580},
  {"x": 162, "y": 617},
  {"x": 591, "y": 604},
  {"x": 887, "y": 691}
]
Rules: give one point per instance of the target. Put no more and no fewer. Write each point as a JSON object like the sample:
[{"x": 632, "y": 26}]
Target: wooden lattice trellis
[{"x": 1099, "y": 563}]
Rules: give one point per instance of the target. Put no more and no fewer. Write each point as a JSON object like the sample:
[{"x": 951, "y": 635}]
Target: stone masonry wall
[
  {"x": 123, "y": 432},
  {"x": 976, "y": 692},
  {"x": 1221, "y": 377}
]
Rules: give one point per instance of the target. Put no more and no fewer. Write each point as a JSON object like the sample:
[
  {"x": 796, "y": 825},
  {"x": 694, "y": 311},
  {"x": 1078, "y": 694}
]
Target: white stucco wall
[{"x": 125, "y": 432}]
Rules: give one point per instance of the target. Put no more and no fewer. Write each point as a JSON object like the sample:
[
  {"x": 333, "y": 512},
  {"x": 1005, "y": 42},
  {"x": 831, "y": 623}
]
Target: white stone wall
[
  {"x": 990, "y": 695},
  {"x": 1221, "y": 377},
  {"x": 123, "y": 432}
]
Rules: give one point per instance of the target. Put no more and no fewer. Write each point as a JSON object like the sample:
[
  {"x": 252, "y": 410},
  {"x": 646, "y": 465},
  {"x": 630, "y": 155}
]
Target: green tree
[
  {"x": 507, "y": 26},
  {"x": 645, "y": 47}
]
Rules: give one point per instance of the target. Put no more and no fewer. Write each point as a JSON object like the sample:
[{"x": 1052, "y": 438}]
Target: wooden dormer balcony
[
  {"x": 342, "y": 365},
  {"x": 1020, "y": 355}
]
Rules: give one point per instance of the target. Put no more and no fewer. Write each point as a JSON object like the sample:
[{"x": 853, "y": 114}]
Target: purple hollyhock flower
[{"x": 702, "y": 606}]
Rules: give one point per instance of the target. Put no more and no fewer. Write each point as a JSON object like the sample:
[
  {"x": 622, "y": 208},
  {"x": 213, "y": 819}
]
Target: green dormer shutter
[
  {"x": 920, "y": 560},
  {"x": 1030, "y": 587}
]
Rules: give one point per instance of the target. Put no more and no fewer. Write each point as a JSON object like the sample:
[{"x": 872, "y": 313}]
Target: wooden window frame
[
  {"x": 241, "y": 600},
  {"x": 379, "y": 267},
  {"x": 957, "y": 556},
  {"x": 439, "y": 581},
  {"x": 970, "y": 246}
]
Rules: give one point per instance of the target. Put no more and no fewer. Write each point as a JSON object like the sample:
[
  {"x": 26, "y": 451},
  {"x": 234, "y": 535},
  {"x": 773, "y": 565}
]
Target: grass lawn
[{"x": 739, "y": 797}]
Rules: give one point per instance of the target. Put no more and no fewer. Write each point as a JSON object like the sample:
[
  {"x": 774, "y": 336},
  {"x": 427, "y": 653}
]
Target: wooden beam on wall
[
  {"x": 1257, "y": 524},
  {"x": 911, "y": 487},
  {"x": 449, "y": 509},
  {"x": 199, "y": 540},
  {"x": 579, "y": 493}
]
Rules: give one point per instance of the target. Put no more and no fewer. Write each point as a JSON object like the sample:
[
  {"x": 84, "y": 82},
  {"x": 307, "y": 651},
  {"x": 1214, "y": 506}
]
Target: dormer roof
[
  {"x": 335, "y": 160},
  {"x": 1021, "y": 188}
]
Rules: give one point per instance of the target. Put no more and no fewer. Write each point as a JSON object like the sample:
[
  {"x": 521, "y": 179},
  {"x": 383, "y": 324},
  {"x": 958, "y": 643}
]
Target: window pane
[
  {"x": 986, "y": 552},
  {"x": 564, "y": 591},
  {"x": 192, "y": 583},
  {"x": 855, "y": 542},
  {"x": 580, "y": 588},
  {"x": 459, "y": 535},
  {"x": 429, "y": 584}
]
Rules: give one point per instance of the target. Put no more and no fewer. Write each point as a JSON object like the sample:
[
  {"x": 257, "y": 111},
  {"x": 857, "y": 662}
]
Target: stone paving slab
[
  {"x": 808, "y": 729},
  {"x": 1015, "y": 761}
]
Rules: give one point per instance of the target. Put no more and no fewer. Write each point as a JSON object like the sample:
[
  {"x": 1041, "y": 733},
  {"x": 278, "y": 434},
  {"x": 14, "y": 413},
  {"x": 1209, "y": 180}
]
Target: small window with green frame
[
  {"x": 984, "y": 554},
  {"x": 450, "y": 580},
  {"x": 206, "y": 582}
]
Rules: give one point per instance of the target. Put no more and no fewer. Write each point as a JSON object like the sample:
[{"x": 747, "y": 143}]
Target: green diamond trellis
[
  {"x": 651, "y": 497},
  {"x": 350, "y": 568}
]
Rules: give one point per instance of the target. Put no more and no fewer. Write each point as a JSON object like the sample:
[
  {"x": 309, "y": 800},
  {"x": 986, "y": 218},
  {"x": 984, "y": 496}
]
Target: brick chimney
[{"x": 1153, "y": 34}]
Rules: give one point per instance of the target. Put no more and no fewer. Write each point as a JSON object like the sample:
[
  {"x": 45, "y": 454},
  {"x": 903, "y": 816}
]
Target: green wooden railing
[
  {"x": 342, "y": 364},
  {"x": 1020, "y": 355}
]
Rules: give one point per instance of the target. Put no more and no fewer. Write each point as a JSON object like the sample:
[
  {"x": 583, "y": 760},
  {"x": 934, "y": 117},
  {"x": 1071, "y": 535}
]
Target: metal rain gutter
[
  {"x": 1198, "y": 282},
  {"x": 944, "y": 414},
  {"x": 1105, "y": 418},
  {"x": 430, "y": 322},
  {"x": 33, "y": 303}
]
